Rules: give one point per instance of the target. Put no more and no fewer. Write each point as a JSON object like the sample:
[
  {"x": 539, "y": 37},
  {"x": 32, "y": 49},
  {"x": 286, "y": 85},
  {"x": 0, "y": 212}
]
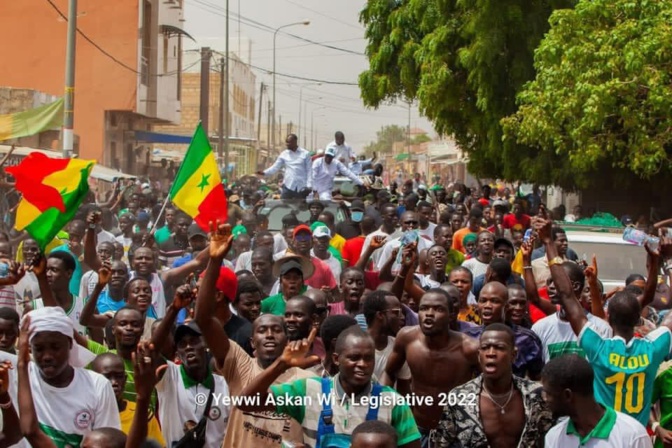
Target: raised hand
[
  {"x": 220, "y": 239},
  {"x": 591, "y": 271},
  {"x": 378, "y": 241},
  {"x": 296, "y": 353},
  {"x": 15, "y": 273},
  {"x": 105, "y": 273},
  {"x": 409, "y": 257},
  {"x": 94, "y": 218},
  {"x": 543, "y": 225},
  {"x": 5, "y": 367},
  {"x": 184, "y": 296},
  {"x": 39, "y": 265},
  {"x": 145, "y": 373},
  {"x": 24, "y": 338}
]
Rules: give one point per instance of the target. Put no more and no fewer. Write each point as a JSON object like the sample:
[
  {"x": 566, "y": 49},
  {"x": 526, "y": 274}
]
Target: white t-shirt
[
  {"x": 279, "y": 243},
  {"x": 426, "y": 282},
  {"x": 428, "y": 233},
  {"x": 333, "y": 263},
  {"x": 74, "y": 313},
  {"x": 244, "y": 261},
  {"x": 378, "y": 252},
  {"x": 127, "y": 242},
  {"x": 389, "y": 247},
  {"x": 67, "y": 414},
  {"x": 158, "y": 294},
  {"x": 626, "y": 433},
  {"x": 26, "y": 290},
  {"x": 558, "y": 338},
  {"x": 179, "y": 405},
  {"x": 476, "y": 266},
  {"x": 381, "y": 361},
  {"x": 89, "y": 282}
]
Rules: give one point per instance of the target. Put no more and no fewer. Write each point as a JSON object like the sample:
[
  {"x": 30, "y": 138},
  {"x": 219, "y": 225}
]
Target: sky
[{"x": 334, "y": 23}]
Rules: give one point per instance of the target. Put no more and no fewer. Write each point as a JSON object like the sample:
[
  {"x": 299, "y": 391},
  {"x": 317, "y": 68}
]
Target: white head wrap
[{"x": 53, "y": 318}]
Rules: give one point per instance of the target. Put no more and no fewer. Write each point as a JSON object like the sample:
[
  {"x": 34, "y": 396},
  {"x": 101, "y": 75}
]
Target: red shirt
[
  {"x": 511, "y": 222},
  {"x": 322, "y": 275},
  {"x": 352, "y": 250}
]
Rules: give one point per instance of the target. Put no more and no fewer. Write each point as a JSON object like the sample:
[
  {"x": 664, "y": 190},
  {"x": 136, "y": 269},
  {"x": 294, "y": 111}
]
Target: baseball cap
[
  {"x": 322, "y": 232},
  {"x": 286, "y": 264},
  {"x": 503, "y": 241},
  {"x": 227, "y": 283},
  {"x": 357, "y": 205},
  {"x": 195, "y": 230},
  {"x": 383, "y": 194},
  {"x": 186, "y": 329},
  {"x": 330, "y": 152},
  {"x": 301, "y": 228}
]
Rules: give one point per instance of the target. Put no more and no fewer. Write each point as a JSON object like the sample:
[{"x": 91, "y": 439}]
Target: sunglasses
[
  {"x": 303, "y": 237},
  {"x": 322, "y": 309}
]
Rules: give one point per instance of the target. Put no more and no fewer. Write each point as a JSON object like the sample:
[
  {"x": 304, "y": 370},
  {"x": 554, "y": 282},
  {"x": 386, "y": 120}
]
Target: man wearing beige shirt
[{"x": 269, "y": 338}]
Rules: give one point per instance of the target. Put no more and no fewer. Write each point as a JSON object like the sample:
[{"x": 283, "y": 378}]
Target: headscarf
[
  {"x": 53, "y": 318},
  {"x": 469, "y": 238}
]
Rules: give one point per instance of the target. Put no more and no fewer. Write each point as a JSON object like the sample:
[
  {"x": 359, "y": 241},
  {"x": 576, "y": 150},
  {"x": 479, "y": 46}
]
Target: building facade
[{"x": 129, "y": 80}]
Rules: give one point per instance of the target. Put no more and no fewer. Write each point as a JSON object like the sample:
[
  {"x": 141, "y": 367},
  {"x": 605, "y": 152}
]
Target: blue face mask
[{"x": 357, "y": 216}]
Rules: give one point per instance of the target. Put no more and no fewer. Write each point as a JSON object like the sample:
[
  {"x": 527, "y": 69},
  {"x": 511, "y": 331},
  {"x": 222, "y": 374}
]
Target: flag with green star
[{"x": 198, "y": 189}]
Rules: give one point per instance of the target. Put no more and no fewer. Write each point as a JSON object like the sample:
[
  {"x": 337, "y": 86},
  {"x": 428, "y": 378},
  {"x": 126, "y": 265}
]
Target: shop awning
[
  {"x": 155, "y": 137},
  {"x": 402, "y": 157}
]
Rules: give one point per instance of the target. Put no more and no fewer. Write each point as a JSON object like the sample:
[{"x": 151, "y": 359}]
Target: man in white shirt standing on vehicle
[
  {"x": 343, "y": 151},
  {"x": 297, "y": 183},
  {"x": 325, "y": 169}
]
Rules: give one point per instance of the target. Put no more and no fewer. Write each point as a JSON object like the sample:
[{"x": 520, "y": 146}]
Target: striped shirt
[{"x": 347, "y": 414}]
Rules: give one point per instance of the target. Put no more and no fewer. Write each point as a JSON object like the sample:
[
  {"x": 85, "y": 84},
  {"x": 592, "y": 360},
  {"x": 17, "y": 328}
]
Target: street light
[{"x": 275, "y": 35}]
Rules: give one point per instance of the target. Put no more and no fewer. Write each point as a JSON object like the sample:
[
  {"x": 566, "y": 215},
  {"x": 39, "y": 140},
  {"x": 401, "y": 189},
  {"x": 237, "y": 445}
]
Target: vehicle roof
[{"x": 596, "y": 237}]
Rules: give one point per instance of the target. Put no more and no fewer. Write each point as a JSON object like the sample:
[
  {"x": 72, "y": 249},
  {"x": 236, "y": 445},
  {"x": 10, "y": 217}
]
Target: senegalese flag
[
  {"x": 52, "y": 191},
  {"x": 198, "y": 189}
]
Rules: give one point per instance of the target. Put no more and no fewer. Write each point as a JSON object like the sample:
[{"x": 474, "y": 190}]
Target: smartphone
[
  {"x": 409, "y": 237},
  {"x": 528, "y": 235}
]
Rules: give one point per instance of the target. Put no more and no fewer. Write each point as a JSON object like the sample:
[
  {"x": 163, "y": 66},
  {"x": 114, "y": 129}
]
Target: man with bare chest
[
  {"x": 497, "y": 409},
  {"x": 439, "y": 359}
]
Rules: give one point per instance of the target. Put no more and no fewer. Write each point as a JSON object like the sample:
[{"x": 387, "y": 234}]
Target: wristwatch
[{"x": 555, "y": 260}]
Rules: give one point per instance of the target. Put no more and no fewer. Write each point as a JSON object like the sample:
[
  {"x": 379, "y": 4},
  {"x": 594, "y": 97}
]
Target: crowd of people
[{"x": 422, "y": 316}]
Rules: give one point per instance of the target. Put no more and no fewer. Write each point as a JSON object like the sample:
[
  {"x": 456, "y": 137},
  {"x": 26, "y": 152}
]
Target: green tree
[
  {"x": 602, "y": 97},
  {"x": 421, "y": 138},
  {"x": 385, "y": 139},
  {"x": 464, "y": 61}
]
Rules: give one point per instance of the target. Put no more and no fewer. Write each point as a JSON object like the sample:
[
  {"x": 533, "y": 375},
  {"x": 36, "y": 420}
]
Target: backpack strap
[
  {"x": 325, "y": 424},
  {"x": 373, "y": 410}
]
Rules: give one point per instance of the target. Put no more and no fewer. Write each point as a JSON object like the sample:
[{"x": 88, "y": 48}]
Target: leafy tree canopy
[
  {"x": 385, "y": 139},
  {"x": 464, "y": 61},
  {"x": 602, "y": 97}
]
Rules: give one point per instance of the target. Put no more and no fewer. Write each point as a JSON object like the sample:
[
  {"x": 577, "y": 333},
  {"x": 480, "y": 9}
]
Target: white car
[{"x": 616, "y": 258}]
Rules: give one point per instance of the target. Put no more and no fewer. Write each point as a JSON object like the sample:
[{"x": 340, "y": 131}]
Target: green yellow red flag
[
  {"x": 197, "y": 189},
  {"x": 32, "y": 121},
  {"x": 52, "y": 191}
]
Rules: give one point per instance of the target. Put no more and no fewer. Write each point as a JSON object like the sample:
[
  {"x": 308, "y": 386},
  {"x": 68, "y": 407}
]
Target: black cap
[
  {"x": 185, "y": 329},
  {"x": 383, "y": 194},
  {"x": 506, "y": 241},
  {"x": 195, "y": 230},
  {"x": 289, "y": 265},
  {"x": 357, "y": 205}
]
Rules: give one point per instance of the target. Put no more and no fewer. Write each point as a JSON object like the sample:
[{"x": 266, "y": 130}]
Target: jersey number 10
[{"x": 632, "y": 393}]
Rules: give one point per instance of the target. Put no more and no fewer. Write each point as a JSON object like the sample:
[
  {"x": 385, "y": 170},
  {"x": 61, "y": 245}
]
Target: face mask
[{"x": 357, "y": 216}]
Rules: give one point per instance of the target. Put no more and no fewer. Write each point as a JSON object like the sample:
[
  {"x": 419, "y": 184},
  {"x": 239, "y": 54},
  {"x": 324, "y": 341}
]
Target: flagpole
[{"x": 158, "y": 218}]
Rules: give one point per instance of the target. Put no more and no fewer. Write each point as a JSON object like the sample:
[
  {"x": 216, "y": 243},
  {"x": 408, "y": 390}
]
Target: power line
[
  {"x": 324, "y": 15},
  {"x": 217, "y": 10},
  {"x": 104, "y": 52}
]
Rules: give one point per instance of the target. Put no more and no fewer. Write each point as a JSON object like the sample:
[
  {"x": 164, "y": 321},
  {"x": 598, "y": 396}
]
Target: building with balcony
[
  {"x": 242, "y": 109},
  {"x": 128, "y": 65}
]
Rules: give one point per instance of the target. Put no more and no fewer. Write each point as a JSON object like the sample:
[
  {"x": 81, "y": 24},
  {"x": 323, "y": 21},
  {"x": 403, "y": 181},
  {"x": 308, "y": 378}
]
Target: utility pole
[
  {"x": 261, "y": 101},
  {"x": 312, "y": 130},
  {"x": 69, "y": 103},
  {"x": 268, "y": 131},
  {"x": 205, "y": 89},
  {"x": 220, "y": 125},
  {"x": 279, "y": 129},
  {"x": 227, "y": 126}
]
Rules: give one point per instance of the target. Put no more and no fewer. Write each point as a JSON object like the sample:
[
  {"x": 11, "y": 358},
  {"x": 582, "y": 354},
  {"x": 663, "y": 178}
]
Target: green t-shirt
[
  {"x": 455, "y": 258},
  {"x": 162, "y": 235},
  {"x": 662, "y": 390},
  {"x": 276, "y": 304},
  {"x": 303, "y": 400},
  {"x": 129, "y": 389}
]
